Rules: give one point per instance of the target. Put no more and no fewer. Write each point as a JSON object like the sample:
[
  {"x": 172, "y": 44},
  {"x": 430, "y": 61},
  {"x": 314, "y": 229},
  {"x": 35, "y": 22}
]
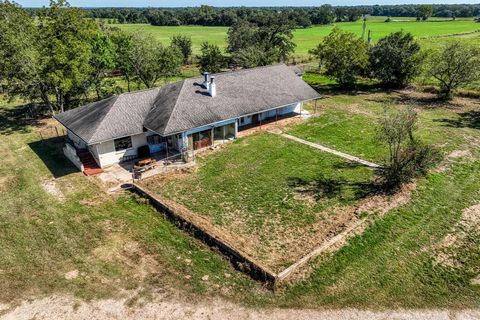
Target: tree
[
  {"x": 102, "y": 59},
  {"x": 20, "y": 60},
  {"x": 408, "y": 157},
  {"x": 455, "y": 65},
  {"x": 64, "y": 38},
  {"x": 184, "y": 44},
  {"x": 395, "y": 60},
  {"x": 123, "y": 43},
  {"x": 152, "y": 61},
  {"x": 323, "y": 15},
  {"x": 211, "y": 58},
  {"x": 343, "y": 56},
  {"x": 254, "y": 45},
  {"x": 424, "y": 11}
]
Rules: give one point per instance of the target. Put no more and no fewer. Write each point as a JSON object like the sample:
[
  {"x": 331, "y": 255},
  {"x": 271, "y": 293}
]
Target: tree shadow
[
  {"x": 50, "y": 151},
  {"x": 336, "y": 90},
  {"x": 418, "y": 99},
  {"x": 326, "y": 188},
  {"x": 469, "y": 119},
  {"x": 18, "y": 119}
]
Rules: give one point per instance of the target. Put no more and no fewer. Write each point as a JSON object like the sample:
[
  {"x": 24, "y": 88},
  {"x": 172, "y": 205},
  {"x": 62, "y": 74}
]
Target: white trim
[{"x": 235, "y": 118}]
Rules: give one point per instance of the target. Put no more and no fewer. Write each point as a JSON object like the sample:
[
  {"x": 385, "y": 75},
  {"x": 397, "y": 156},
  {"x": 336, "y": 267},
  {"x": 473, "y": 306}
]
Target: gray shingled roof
[
  {"x": 115, "y": 117},
  {"x": 186, "y": 104},
  {"x": 239, "y": 93}
]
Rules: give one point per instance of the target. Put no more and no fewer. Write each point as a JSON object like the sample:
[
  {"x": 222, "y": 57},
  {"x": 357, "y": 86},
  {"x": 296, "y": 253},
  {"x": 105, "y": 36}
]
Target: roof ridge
[
  {"x": 250, "y": 69},
  {"x": 110, "y": 106},
  {"x": 176, "y": 102},
  {"x": 139, "y": 91}
]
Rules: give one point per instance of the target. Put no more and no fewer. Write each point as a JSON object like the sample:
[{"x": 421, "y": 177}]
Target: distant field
[{"x": 431, "y": 33}]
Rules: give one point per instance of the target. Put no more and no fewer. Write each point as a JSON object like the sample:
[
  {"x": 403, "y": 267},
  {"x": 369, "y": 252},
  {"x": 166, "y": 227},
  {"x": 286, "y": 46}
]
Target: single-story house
[{"x": 180, "y": 117}]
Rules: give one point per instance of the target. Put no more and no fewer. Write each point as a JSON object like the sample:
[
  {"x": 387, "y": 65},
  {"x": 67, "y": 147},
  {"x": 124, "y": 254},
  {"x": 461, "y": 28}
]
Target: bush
[
  {"x": 343, "y": 56},
  {"x": 211, "y": 60},
  {"x": 456, "y": 64},
  {"x": 408, "y": 157},
  {"x": 396, "y": 59}
]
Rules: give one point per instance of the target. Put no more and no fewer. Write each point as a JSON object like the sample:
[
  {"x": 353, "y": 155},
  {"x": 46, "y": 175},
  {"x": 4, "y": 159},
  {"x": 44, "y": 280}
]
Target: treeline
[
  {"x": 58, "y": 57},
  {"x": 396, "y": 60},
  {"x": 301, "y": 16}
]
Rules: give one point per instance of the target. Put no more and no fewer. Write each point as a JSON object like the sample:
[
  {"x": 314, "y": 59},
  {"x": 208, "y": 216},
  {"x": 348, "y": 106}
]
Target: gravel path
[{"x": 173, "y": 308}]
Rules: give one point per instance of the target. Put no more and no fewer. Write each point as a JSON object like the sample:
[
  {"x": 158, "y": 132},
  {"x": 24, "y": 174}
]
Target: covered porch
[{"x": 213, "y": 135}]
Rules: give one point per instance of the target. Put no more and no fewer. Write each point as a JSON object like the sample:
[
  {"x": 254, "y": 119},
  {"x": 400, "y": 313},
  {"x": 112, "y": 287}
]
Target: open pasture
[{"x": 431, "y": 33}]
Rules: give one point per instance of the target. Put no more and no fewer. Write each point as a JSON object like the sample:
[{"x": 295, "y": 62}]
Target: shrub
[
  {"x": 211, "y": 60},
  {"x": 184, "y": 44},
  {"x": 396, "y": 59},
  {"x": 408, "y": 157},
  {"x": 455, "y": 65},
  {"x": 343, "y": 56}
]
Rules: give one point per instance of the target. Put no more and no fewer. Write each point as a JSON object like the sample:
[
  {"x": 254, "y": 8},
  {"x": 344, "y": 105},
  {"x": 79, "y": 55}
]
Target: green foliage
[
  {"x": 454, "y": 65},
  {"x": 408, "y": 157},
  {"x": 424, "y": 11},
  {"x": 65, "y": 51},
  {"x": 211, "y": 60},
  {"x": 151, "y": 60},
  {"x": 19, "y": 56},
  {"x": 123, "y": 42},
  {"x": 342, "y": 56},
  {"x": 395, "y": 60},
  {"x": 184, "y": 44},
  {"x": 102, "y": 60},
  {"x": 257, "y": 45}
]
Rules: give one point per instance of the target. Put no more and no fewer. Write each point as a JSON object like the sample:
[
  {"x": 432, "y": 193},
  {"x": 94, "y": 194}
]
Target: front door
[{"x": 255, "y": 118}]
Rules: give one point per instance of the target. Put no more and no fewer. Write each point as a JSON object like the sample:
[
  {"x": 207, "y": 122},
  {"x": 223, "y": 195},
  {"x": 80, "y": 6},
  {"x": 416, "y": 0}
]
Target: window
[
  {"x": 155, "y": 139},
  {"x": 123, "y": 143}
]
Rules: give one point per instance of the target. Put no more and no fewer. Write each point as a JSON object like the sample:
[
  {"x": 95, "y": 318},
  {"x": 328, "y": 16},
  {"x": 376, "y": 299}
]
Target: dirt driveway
[{"x": 163, "y": 307}]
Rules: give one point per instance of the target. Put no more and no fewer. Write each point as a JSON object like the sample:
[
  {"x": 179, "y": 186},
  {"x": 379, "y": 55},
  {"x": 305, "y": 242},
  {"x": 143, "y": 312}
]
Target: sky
[{"x": 227, "y": 3}]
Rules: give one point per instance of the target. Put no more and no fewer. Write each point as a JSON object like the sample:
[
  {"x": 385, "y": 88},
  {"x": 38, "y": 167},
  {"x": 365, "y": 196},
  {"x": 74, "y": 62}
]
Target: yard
[
  {"x": 61, "y": 233},
  {"x": 272, "y": 197}
]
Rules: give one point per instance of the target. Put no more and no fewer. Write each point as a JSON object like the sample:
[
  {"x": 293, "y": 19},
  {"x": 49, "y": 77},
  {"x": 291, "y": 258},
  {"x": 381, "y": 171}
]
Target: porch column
[
  {"x": 212, "y": 136},
  {"x": 236, "y": 129}
]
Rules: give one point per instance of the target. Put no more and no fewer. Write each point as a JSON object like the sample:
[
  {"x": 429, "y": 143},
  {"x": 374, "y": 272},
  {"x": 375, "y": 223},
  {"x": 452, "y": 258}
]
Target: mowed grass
[
  {"x": 348, "y": 122},
  {"x": 114, "y": 241},
  {"x": 393, "y": 263},
  {"x": 271, "y": 192},
  {"x": 430, "y": 33},
  {"x": 111, "y": 240}
]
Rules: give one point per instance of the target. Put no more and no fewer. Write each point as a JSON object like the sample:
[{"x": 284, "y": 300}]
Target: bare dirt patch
[
  {"x": 446, "y": 252},
  {"x": 51, "y": 187},
  {"x": 121, "y": 249},
  {"x": 5, "y": 182},
  {"x": 460, "y": 154},
  {"x": 162, "y": 306}
]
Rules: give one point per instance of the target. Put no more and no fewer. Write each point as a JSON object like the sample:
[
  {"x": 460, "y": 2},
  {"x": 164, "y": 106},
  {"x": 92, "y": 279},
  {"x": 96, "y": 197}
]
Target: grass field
[
  {"x": 118, "y": 242},
  {"x": 277, "y": 199},
  {"x": 431, "y": 33}
]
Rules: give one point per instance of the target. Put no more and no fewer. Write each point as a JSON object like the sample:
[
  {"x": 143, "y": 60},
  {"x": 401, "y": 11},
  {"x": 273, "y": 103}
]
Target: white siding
[
  {"x": 107, "y": 155},
  {"x": 79, "y": 144},
  {"x": 291, "y": 108}
]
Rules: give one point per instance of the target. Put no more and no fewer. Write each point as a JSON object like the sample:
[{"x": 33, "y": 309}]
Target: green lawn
[
  {"x": 118, "y": 242},
  {"x": 271, "y": 193},
  {"x": 348, "y": 122},
  {"x": 114, "y": 241},
  {"x": 431, "y": 33}
]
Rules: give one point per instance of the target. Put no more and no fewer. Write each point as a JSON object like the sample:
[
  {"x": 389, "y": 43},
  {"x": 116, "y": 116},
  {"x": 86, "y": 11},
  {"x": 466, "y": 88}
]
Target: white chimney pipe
[
  {"x": 205, "y": 80},
  {"x": 212, "y": 89}
]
